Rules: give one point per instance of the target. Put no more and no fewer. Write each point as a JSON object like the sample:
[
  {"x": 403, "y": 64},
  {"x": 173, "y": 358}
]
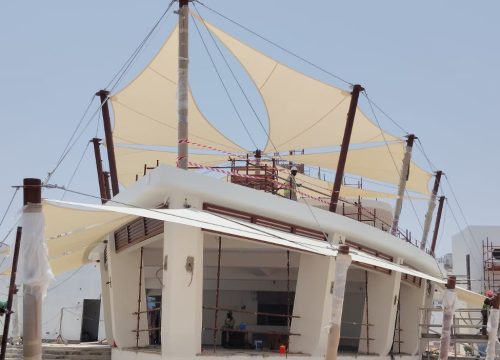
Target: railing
[
  {"x": 465, "y": 330},
  {"x": 264, "y": 176}
]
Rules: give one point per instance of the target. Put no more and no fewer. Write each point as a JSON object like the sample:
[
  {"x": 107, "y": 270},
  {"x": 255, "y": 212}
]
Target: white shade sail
[
  {"x": 380, "y": 163},
  {"x": 145, "y": 111},
  {"x": 303, "y": 112},
  {"x": 211, "y": 222}
]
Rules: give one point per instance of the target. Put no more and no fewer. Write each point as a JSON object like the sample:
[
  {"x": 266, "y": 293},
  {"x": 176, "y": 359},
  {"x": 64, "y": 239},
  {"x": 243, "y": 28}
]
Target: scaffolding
[
  {"x": 491, "y": 266},
  {"x": 466, "y": 339}
]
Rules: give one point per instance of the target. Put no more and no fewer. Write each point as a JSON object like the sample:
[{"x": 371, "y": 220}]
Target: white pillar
[
  {"x": 312, "y": 303},
  {"x": 106, "y": 294},
  {"x": 182, "y": 295},
  {"x": 123, "y": 270},
  {"x": 449, "y": 301},
  {"x": 383, "y": 292}
]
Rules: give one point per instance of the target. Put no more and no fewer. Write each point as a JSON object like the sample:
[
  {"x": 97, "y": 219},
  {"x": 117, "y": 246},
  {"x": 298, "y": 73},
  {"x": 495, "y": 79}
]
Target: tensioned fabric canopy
[
  {"x": 145, "y": 111},
  {"x": 130, "y": 162},
  {"x": 303, "y": 112},
  {"x": 376, "y": 163},
  {"x": 210, "y": 222}
]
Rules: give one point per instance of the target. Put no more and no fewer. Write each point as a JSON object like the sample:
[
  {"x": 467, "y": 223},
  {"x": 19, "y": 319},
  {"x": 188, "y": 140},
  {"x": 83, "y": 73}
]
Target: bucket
[
  {"x": 258, "y": 344},
  {"x": 282, "y": 349}
]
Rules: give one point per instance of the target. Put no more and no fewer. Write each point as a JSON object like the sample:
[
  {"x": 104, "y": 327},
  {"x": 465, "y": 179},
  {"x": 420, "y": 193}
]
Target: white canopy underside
[
  {"x": 68, "y": 246},
  {"x": 380, "y": 163},
  {"x": 131, "y": 162}
]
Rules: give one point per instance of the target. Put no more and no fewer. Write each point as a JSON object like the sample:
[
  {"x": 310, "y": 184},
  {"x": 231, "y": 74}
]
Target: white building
[{"x": 482, "y": 244}]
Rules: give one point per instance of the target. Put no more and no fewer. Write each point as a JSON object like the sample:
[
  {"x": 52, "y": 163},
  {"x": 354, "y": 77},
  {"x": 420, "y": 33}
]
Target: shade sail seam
[
  {"x": 301, "y": 132},
  {"x": 161, "y": 75},
  {"x": 191, "y": 134},
  {"x": 269, "y": 76}
]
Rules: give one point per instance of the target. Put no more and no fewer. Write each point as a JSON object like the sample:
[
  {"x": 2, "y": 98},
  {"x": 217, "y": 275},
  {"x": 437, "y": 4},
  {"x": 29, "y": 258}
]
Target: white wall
[
  {"x": 470, "y": 241},
  {"x": 69, "y": 290}
]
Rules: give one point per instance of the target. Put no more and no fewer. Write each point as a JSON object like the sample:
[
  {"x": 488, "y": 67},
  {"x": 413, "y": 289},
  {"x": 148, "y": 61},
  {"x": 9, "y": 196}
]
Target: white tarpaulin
[
  {"x": 220, "y": 224},
  {"x": 34, "y": 271}
]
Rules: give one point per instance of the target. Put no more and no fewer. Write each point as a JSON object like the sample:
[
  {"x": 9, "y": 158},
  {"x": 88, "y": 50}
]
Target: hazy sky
[{"x": 433, "y": 66}]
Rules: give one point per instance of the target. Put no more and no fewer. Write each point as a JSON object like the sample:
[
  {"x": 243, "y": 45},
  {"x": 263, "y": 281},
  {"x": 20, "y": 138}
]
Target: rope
[
  {"x": 126, "y": 66},
  {"x": 275, "y": 44},
  {"x": 223, "y": 84},
  {"x": 236, "y": 80},
  {"x": 76, "y": 169},
  {"x": 392, "y": 157},
  {"x": 8, "y": 206}
]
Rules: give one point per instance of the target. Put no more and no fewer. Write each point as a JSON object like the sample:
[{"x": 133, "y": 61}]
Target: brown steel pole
[
  {"x": 104, "y": 94},
  {"x": 345, "y": 147},
  {"x": 436, "y": 225},
  {"x": 467, "y": 267},
  {"x": 12, "y": 291},
  {"x": 430, "y": 210},
  {"x": 98, "y": 163},
  {"x": 107, "y": 188},
  {"x": 32, "y": 297}
]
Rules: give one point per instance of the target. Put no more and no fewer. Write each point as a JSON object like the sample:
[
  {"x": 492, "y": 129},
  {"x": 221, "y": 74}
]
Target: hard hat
[
  {"x": 293, "y": 168},
  {"x": 489, "y": 293}
]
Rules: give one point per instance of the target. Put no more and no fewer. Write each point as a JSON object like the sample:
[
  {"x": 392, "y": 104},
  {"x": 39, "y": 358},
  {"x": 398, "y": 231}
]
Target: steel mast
[{"x": 182, "y": 92}]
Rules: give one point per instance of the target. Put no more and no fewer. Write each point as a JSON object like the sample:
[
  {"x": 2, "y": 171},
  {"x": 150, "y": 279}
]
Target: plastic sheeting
[
  {"x": 492, "y": 328},
  {"x": 341, "y": 266},
  {"x": 303, "y": 112},
  {"x": 449, "y": 301},
  {"x": 34, "y": 272}
]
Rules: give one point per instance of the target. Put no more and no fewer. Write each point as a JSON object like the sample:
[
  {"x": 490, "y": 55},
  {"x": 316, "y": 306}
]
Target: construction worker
[
  {"x": 291, "y": 185},
  {"x": 485, "y": 310},
  {"x": 3, "y": 307}
]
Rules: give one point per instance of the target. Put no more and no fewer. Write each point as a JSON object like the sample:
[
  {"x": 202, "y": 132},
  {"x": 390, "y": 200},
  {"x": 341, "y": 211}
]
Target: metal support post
[
  {"x": 32, "y": 295},
  {"x": 217, "y": 295},
  {"x": 430, "y": 211},
  {"x": 339, "y": 174},
  {"x": 139, "y": 300},
  {"x": 100, "y": 175},
  {"x": 12, "y": 291},
  {"x": 104, "y": 95},
  {"x": 182, "y": 87},
  {"x": 436, "y": 224},
  {"x": 404, "y": 176}
]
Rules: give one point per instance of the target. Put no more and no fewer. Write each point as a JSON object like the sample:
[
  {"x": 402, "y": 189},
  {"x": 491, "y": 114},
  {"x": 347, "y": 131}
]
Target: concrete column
[
  {"x": 123, "y": 270},
  {"x": 106, "y": 295},
  {"x": 411, "y": 299},
  {"x": 383, "y": 292},
  {"x": 182, "y": 295},
  {"x": 312, "y": 304}
]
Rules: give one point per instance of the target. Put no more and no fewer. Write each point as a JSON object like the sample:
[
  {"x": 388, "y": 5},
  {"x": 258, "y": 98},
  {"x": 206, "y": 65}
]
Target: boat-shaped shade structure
[
  {"x": 377, "y": 163},
  {"x": 145, "y": 111}
]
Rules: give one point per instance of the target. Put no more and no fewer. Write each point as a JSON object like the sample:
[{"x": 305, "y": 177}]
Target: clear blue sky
[{"x": 433, "y": 66}]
